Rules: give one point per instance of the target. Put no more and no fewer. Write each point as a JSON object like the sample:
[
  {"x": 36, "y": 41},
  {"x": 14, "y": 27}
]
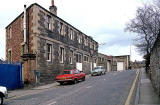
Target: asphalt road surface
[{"x": 110, "y": 89}]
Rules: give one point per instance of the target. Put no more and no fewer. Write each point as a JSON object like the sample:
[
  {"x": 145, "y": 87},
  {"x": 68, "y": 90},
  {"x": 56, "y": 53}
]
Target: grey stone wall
[{"x": 155, "y": 66}]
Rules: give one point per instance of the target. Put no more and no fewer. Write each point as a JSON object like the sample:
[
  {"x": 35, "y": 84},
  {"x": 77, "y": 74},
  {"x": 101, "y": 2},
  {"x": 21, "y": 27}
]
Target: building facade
[
  {"x": 105, "y": 61},
  {"x": 120, "y": 62},
  {"x": 46, "y": 45}
]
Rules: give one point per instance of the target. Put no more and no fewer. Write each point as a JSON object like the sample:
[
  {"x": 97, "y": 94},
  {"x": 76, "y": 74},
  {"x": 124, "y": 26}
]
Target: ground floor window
[
  {"x": 71, "y": 57},
  {"x": 49, "y": 52},
  {"x": 61, "y": 54},
  {"x": 86, "y": 58},
  {"x": 79, "y": 58}
]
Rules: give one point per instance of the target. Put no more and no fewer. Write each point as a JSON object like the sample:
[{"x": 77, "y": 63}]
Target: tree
[{"x": 146, "y": 24}]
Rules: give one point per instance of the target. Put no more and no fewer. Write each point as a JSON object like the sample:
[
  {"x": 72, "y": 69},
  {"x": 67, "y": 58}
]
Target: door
[
  {"x": 108, "y": 66},
  {"x": 120, "y": 66},
  {"x": 95, "y": 65},
  {"x": 91, "y": 66},
  {"x": 79, "y": 66}
]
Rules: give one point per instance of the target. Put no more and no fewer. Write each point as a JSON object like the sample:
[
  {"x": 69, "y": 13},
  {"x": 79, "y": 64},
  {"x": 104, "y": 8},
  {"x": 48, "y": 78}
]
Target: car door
[{"x": 76, "y": 74}]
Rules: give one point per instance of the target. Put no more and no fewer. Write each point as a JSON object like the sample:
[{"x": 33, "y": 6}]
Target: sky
[{"x": 104, "y": 20}]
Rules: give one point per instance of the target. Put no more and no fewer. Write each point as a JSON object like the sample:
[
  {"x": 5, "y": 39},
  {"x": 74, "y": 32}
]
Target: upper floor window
[
  {"x": 49, "y": 52},
  {"x": 48, "y": 22},
  {"x": 9, "y": 32},
  {"x": 91, "y": 45},
  {"x": 61, "y": 28},
  {"x": 61, "y": 54},
  {"x": 71, "y": 34},
  {"x": 80, "y": 38},
  {"x": 95, "y": 46}
]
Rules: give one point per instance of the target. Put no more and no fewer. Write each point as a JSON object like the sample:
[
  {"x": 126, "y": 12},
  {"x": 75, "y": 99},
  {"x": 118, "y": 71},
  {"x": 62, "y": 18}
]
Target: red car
[{"x": 70, "y": 76}]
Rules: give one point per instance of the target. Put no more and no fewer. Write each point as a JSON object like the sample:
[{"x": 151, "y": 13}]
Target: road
[{"x": 110, "y": 89}]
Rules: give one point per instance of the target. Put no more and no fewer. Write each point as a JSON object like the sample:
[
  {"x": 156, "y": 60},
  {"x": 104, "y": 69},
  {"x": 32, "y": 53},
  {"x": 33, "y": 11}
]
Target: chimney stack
[{"x": 53, "y": 8}]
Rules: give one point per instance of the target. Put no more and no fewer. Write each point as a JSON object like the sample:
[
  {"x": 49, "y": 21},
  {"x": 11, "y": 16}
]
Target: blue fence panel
[{"x": 10, "y": 76}]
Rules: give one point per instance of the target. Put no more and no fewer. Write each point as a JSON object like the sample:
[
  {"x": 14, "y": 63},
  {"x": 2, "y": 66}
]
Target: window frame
[
  {"x": 49, "y": 52},
  {"x": 62, "y": 54},
  {"x": 71, "y": 57},
  {"x": 48, "y": 21}
]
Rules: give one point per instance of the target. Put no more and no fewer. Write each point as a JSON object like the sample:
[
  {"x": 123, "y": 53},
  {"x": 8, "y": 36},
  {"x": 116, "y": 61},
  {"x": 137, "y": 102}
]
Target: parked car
[
  {"x": 99, "y": 70},
  {"x": 70, "y": 76},
  {"x": 3, "y": 94}
]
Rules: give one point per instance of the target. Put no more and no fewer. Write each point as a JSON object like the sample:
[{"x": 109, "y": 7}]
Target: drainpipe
[{"x": 25, "y": 26}]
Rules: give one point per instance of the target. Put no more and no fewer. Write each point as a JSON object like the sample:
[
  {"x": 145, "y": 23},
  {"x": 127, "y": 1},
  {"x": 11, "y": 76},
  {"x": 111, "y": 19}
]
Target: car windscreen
[
  {"x": 97, "y": 68},
  {"x": 67, "y": 72}
]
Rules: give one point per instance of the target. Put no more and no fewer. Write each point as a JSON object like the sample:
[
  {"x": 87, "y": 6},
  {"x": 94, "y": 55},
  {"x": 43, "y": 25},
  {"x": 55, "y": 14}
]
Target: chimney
[{"x": 53, "y": 8}]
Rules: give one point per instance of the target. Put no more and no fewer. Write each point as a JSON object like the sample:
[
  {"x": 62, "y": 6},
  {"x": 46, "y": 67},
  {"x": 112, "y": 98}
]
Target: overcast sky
[{"x": 104, "y": 20}]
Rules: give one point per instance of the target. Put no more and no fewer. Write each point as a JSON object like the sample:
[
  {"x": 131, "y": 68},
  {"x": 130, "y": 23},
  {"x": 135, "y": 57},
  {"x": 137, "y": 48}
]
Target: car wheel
[
  {"x": 75, "y": 81},
  {"x": 84, "y": 78},
  {"x": 61, "y": 83},
  {"x": 1, "y": 100}
]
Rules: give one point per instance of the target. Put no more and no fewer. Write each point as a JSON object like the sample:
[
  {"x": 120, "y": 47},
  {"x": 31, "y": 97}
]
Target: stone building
[
  {"x": 46, "y": 45},
  {"x": 105, "y": 61},
  {"x": 120, "y": 62},
  {"x": 155, "y": 65}
]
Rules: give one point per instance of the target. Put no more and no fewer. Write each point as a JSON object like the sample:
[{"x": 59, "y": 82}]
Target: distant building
[
  {"x": 137, "y": 64},
  {"x": 105, "y": 61},
  {"x": 121, "y": 62},
  {"x": 46, "y": 45},
  {"x": 114, "y": 63}
]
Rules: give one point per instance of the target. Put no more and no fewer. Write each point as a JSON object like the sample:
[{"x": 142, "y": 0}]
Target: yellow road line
[{"x": 132, "y": 89}]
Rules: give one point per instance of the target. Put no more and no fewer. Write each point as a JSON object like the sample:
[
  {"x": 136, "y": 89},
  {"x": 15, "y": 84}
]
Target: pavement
[{"x": 145, "y": 92}]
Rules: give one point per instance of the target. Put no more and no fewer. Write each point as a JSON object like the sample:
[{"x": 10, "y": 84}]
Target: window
[
  {"x": 80, "y": 38},
  {"x": 95, "y": 46},
  {"x": 102, "y": 59},
  {"x": 22, "y": 22},
  {"x": 9, "y": 56},
  {"x": 49, "y": 52},
  {"x": 61, "y": 28},
  {"x": 71, "y": 34},
  {"x": 90, "y": 44},
  {"x": 86, "y": 58},
  {"x": 71, "y": 57},
  {"x": 79, "y": 58},
  {"x": 95, "y": 60},
  {"x": 23, "y": 49},
  {"x": 9, "y": 32},
  {"x": 49, "y": 22},
  {"x": 61, "y": 54}
]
